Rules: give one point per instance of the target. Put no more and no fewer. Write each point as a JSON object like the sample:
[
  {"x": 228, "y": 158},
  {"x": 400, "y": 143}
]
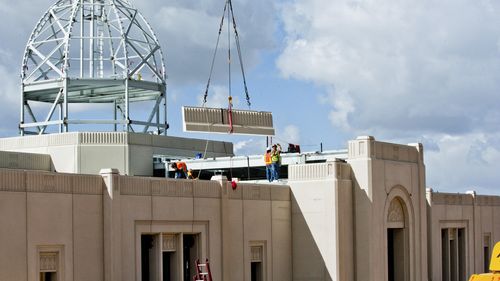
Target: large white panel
[{"x": 216, "y": 120}]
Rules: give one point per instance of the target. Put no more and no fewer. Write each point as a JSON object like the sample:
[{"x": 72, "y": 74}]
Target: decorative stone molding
[
  {"x": 87, "y": 184},
  {"x": 103, "y": 138},
  {"x": 63, "y": 139},
  {"x": 169, "y": 242},
  {"x": 311, "y": 171},
  {"x": 12, "y": 180},
  {"x": 452, "y": 199},
  {"x": 135, "y": 186},
  {"x": 25, "y": 161},
  {"x": 48, "y": 183},
  {"x": 396, "y": 152},
  {"x": 256, "y": 253},
  {"x": 367, "y": 147},
  {"x": 396, "y": 212},
  {"x": 255, "y": 191},
  {"x": 49, "y": 261},
  {"x": 206, "y": 189},
  {"x": 172, "y": 188},
  {"x": 483, "y": 200}
]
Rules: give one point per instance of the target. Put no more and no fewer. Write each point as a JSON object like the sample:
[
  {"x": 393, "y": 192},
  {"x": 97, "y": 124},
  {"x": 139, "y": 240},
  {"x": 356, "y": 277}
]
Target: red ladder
[{"x": 202, "y": 271}]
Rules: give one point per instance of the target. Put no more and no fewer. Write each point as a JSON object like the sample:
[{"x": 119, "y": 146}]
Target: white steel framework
[{"x": 92, "y": 51}]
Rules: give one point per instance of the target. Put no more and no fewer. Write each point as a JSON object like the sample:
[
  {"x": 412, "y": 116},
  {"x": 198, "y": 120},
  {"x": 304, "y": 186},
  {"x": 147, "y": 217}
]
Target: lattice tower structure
[{"x": 93, "y": 51}]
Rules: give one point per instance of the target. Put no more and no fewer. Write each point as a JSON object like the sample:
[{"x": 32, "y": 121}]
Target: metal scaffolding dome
[{"x": 92, "y": 51}]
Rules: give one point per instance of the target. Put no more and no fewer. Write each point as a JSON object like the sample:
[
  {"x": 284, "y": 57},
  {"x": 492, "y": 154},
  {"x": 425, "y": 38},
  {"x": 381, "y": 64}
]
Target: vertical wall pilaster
[
  {"x": 111, "y": 225},
  {"x": 360, "y": 153},
  {"x": 225, "y": 227}
]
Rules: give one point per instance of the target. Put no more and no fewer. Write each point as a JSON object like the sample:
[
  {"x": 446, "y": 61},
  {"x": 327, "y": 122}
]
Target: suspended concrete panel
[{"x": 218, "y": 120}]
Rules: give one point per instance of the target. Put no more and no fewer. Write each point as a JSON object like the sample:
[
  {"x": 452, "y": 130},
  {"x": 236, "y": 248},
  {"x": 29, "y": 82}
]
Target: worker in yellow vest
[
  {"x": 269, "y": 168},
  {"x": 276, "y": 161}
]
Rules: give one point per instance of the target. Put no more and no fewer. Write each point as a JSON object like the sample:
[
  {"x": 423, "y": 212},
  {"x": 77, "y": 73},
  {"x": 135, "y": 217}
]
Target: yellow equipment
[{"x": 494, "y": 275}]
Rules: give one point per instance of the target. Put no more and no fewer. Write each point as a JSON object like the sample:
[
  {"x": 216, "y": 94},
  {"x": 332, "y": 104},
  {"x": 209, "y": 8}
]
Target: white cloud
[
  {"x": 400, "y": 63},
  {"x": 192, "y": 24},
  {"x": 218, "y": 97},
  {"x": 291, "y": 134},
  {"x": 400, "y": 70},
  {"x": 342, "y": 106},
  {"x": 467, "y": 162},
  {"x": 252, "y": 146},
  {"x": 9, "y": 95}
]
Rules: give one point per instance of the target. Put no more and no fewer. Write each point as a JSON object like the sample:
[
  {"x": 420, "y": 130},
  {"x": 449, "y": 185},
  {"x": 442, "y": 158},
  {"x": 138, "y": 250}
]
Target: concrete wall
[
  {"x": 322, "y": 220},
  {"x": 96, "y": 222},
  {"x": 478, "y": 214},
  {"x": 382, "y": 172},
  {"x": 130, "y": 153},
  {"x": 39, "y": 209}
]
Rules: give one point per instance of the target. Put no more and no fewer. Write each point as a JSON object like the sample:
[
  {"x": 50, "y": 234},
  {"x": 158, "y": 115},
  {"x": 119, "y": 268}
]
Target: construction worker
[
  {"x": 180, "y": 170},
  {"x": 276, "y": 161},
  {"x": 269, "y": 163},
  {"x": 190, "y": 174}
]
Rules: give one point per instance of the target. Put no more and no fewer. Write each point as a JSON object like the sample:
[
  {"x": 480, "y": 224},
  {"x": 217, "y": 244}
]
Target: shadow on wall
[
  {"x": 308, "y": 264},
  {"x": 361, "y": 240}
]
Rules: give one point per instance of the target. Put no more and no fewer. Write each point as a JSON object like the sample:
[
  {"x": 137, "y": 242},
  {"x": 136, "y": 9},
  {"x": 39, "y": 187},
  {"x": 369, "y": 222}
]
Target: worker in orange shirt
[
  {"x": 269, "y": 162},
  {"x": 180, "y": 170}
]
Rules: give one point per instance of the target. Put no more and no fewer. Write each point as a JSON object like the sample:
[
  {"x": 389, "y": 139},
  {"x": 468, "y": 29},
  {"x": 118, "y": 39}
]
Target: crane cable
[
  {"x": 214, "y": 55},
  {"x": 228, "y": 7},
  {"x": 238, "y": 48}
]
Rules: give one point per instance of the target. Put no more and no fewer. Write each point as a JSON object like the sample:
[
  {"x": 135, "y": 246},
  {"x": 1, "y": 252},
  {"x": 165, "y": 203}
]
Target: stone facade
[{"x": 367, "y": 217}]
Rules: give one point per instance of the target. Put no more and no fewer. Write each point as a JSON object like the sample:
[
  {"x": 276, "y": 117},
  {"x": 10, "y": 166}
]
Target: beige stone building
[
  {"x": 367, "y": 216},
  {"x": 78, "y": 206}
]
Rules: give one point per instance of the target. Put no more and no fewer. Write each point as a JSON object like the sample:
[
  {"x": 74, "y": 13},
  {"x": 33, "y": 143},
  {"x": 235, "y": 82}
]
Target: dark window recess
[
  {"x": 390, "y": 254},
  {"x": 167, "y": 270},
  {"x": 316, "y": 161},
  {"x": 190, "y": 255},
  {"x": 159, "y": 173},
  {"x": 256, "y": 271},
  {"x": 48, "y": 276},
  {"x": 486, "y": 259},
  {"x": 146, "y": 245}
]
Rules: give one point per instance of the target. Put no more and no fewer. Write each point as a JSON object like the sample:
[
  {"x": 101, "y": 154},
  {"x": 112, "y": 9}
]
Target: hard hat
[{"x": 268, "y": 148}]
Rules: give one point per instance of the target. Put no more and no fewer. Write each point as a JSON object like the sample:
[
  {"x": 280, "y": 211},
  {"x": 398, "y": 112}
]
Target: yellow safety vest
[{"x": 275, "y": 156}]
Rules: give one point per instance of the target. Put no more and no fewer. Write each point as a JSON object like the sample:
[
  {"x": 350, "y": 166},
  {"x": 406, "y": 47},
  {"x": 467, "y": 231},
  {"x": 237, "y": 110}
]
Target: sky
[{"x": 329, "y": 70}]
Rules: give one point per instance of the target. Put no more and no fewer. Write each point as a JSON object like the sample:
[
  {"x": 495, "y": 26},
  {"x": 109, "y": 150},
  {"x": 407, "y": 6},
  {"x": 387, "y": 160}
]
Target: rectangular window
[
  {"x": 150, "y": 257},
  {"x": 257, "y": 263},
  {"x": 48, "y": 276},
  {"x": 146, "y": 245},
  {"x": 169, "y": 257},
  {"x": 453, "y": 254},
  {"x": 486, "y": 253},
  {"x": 461, "y": 254},
  {"x": 190, "y": 254},
  {"x": 445, "y": 255},
  {"x": 50, "y": 263}
]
